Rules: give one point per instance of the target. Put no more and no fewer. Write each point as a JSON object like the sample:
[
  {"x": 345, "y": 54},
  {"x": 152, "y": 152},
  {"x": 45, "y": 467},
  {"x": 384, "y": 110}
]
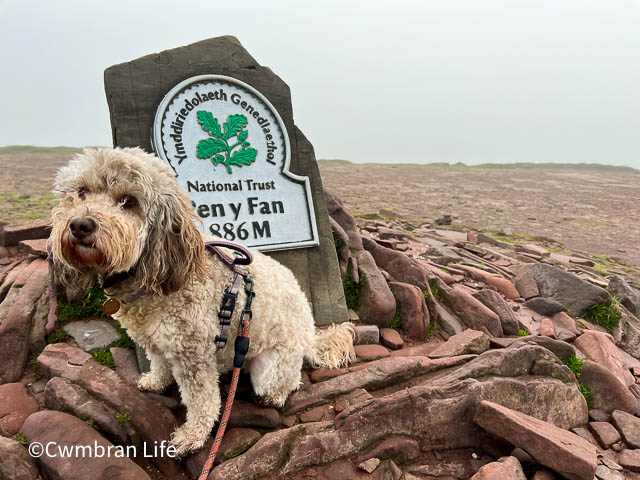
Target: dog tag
[{"x": 110, "y": 307}]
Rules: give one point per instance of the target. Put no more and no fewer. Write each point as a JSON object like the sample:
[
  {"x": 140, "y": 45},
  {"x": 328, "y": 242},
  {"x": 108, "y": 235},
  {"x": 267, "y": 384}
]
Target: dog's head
[{"x": 122, "y": 209}]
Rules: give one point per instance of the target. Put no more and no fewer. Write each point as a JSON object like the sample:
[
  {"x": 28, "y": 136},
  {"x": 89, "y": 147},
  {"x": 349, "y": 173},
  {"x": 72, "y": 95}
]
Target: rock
[
  {"x": 506, "y": 468},
  {"x": 367, "y": 353},
  {"x": 471, "y": 311},
  {"x": 575, "y": 294},
  {"x": 565, "y": 327},
  {"x": 35, "y": 247},
  {"x": 377, "y": 304},
  {"x": 605, "y": 473},
  {"x": 469, "y": 341},
  {"x": 494, "y": 301},
  {"x": 235, "y": 442},
  {"x": 547, "y": 329},
  {"x": 561, "y": 451},
  {"x": 15, "y": 406},
  {"x": 544, "y": 306},
  {"x": 152, "y": 421},
  {"x": 92, "y": 334},
  {"x": 13, "y": 234},
  {"x": 533, "y": 249},
  {"x": 62, "y": 395},
  {"x": 629, "y": 297},
  {"x": 68, "y": 431},
  {"x": 419, "y": 350},
  {"x": 367, "y": 334},
  {"x": 342, "y": 247},
  {"x": 441, "y": 255},
  {"x": 599, "y": 347},
  {"x": 630, "y": 459},
  {"x": 609, "y": 393},
  {"x": 629, "y": 426},
  {"x": 527, "y": 287},
  {"x": 16, "y": 462},
  {"x": 19, "y": 304},
  {"x": 503, "y": 285},
  {"x": 412, "y": 309},
  {"x": 126, "y": 363},
  {"x": 597, "y": 415},
  {"x": 606, "y": 433},
  {"x": 391, "y": 339},
  {"x": 317, "y": 414},
  {"x": 370, "y": 465},
  {"x": 245, "y": 414},
  {"x": 585, "y": 434},
  {"x": 543, "y": 475},
  {"x": 356, "y": 396}
]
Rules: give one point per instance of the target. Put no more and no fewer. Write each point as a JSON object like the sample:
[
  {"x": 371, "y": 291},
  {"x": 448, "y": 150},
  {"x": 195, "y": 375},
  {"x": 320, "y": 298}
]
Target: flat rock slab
[
  {"x": 367, "y": 334},
  {"x": 629, "y": 427},
  {"x": 599, "y": 347},
  {"x": 468, "y": 342},
  {"x": 366, "y": 353},
  {"x": 606, "y": 433},
  {"x": 562, "y": 451},
  {"x": 391, "y": 338},
  {"x": 630, "y": 459},
  {"x": 93, "y": 334},
  {"x": 506, "y": 468},
  {"x": 609, "y": 393},
  {"x": 15, "y": 406}
]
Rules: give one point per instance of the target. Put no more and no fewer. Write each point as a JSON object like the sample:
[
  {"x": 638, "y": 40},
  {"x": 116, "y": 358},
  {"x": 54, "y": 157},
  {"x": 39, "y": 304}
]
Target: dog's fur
[{"x": 145, "y": 222}]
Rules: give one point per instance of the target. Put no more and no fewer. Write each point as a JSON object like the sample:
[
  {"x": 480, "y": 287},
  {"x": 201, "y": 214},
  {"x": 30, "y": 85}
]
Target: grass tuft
[
  {"x": 123, "y": 417},
  {"x": 58, "y": 336},
  {"x": 104, "y": 357},
  {"x": 19, "y": 437},
  {"x": 607, "y": 314},
  {"x": 396, "y": 323},
  {"x": 523, "y": 332},
  {"x": 351, "y": 292},
  {"x": 575, "y": 365},
  {"x": 435, "y": 289}
]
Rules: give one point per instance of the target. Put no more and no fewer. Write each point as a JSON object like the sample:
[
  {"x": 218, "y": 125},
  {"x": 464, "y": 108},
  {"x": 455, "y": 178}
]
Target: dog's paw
[
  {"x": 150, "y": 383},
  {"x": 187, "y": 439}
]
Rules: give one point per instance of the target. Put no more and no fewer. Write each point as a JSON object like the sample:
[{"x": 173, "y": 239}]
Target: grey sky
[{"x": 386, "y": 81}]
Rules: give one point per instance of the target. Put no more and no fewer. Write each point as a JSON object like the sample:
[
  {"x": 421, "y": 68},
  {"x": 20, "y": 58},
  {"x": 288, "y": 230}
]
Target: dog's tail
[{"x": 334, "y": 346}]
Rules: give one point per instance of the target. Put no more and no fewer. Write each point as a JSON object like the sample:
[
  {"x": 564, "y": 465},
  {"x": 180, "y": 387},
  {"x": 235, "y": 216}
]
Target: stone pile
[{"x": 476, "y": 358}]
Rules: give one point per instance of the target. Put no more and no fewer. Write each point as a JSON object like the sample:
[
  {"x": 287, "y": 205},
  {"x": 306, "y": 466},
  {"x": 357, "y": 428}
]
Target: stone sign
[
  {"x": 225, "y": 125},
  {"x": 231, "y": 152}
]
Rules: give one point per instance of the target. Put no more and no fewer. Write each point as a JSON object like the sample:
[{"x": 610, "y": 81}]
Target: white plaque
[{"x": 230, "y": 151}]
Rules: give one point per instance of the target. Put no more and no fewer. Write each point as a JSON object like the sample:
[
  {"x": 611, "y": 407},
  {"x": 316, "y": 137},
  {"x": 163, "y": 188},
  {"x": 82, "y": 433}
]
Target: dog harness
[{"x": 224, "y": 316}]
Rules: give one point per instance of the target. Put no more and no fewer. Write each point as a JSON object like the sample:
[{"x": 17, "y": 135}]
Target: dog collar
[{"x": 112, "y": 304}]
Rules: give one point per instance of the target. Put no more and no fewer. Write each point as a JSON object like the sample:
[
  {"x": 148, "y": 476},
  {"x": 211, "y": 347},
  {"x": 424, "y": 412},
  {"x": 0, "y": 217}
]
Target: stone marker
[{"x": 225, "y": 125}]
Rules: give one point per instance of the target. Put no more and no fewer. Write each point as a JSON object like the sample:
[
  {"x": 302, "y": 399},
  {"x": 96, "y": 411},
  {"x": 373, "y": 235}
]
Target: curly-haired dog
[{"x": 121, "y": 210}]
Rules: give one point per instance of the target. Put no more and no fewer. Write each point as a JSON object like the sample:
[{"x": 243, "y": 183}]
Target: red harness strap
[{"x": 242, "y": 340}]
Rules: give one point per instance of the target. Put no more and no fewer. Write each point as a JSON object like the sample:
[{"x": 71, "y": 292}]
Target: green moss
[
  {"x": 523, "y": 332},
  {"x": 36, "y": 368},
  {"x": 575, "y": 365},
  {"x": 123, "y": 417},
  {"x": 19, "y": 437},
  {"x": 337, "y": 243},
  {"x": 124, "y": 341},
  {"x": 90, "y": 306},
  {"x": 430, "y": 329},
  {"x": 104, "y": 357},
  {"x": 396, "y": 323},
  {"x": 580, "y": 324},
  {"x": 89, "y": 422},
  {"x": 17, "y": 206},
  {"x": 58, "y": 336},
  {"x": 351, "y": 292},
  {"x": 435, "y": 289},
  {"x": 606, "y": 314}
]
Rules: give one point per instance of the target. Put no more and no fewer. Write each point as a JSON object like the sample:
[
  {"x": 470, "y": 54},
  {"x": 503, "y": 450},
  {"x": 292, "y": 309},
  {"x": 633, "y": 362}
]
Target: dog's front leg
[
  {"x": 159, "y": 378},
  {"x": 200, "y": 393}
]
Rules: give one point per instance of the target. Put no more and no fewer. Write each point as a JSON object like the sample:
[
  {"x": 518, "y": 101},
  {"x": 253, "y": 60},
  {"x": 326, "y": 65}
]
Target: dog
[{"x": 123, "y": 219}]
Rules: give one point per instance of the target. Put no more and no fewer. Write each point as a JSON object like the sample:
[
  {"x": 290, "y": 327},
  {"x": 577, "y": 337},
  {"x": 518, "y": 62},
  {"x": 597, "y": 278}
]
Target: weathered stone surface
[
  {"x": 527, "y": 287},
  {"x": 565, "y": 327},
  {"x": 342, "y": 246},
  {"x": 62, "y": 395},
  {"x": 412, "y": 309},
  {"x": 68, "y": 431},
  {"x": 609, "y": 393},
  {"x": 442, "y": 255},
  {"x": 562, "y": 451},
  {"x": 234, "y": 442},
  {"x": 135, "y": 89},
  {"x": 447, "y": 320},
  {"x": 367, "y": 334},
  {"x": 420, "y": 350},
  {"x": 544, "y": 306},
  {"x": 562, "y": 350},
  {"x": 627, "y": 335},
  {"x": 598, "y": 415},
  {"x": 15, "y": 406},
  {"x": 630, "y": 459},
  {"x": 15, "y": 329},
  {"x": 494, "y": 301},
  {"x": 599, "y": 347},
  {"x": 245, "y": 414},
  {"x": 152, "y": 421},
  {"x": 401, "y": 268},
  {"x": 575, "y": 294},
  {"x": 469, "y": 341},
  {"x": 35, "y": 247},
  {"x": 343, "y": 218},
  {"x": 126, "y": 363},
  {"x": 16, "y": 463},
  {"x": 504, "y": 286},
  {"x": 367, "y": 353},
  {"x": 92, "y": 335},
  {"x": 547, "y": 329},
  {"x": 506, "y": 468},
  {"x": 370, "y": 465},
  {"x": 13, "y": 234},
  {"x": 391, "y": 339},
  {"x": 629, "y": 426},
  {"x": 377, "y": 304},
  {"x": 628, "y": 296},
  {"x": 471, "y": 311},
  {"x": 356, "y": 396},
  {"x": 606, "y": 433}
]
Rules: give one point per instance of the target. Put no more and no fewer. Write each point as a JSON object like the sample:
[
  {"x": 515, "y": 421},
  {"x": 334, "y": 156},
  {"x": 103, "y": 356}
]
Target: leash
[{"x": 242, "y": 340}]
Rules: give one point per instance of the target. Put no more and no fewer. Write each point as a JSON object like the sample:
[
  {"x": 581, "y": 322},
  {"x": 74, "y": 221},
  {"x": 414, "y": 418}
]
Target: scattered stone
[
  {"x": 401, "y": 268},
  {"x": 370, "y": 465},
  {"x": 527, "y": 287},
  {"x": 597, "y": 415},
  {"x": 604, "y": 473},
  {"x": 367, "y": 353},
  {"x": 629, "y": 427},
  {"x": 15, "y": 406},
  {"x": 565, "y": 327},
  {"x": 448, "y": 321},
  {"x": 503, "y": 285},
  {"x": 367, "y": 334},
  {"x": 412, "y": 310},
  {"x": 16, "y": 462},
  {"x": 65, "y": 430},
  {"x": 585, "y": 434},
  {"x": 609, "y": 393},
  {"x": 575, "y": 294},
  {"x": 92, "y": 335},
  {"x": 126, "y": 364},
  {"x": 443, "y": 220},
  {"x": 245, "y": 414},
  {"x": 561, "y": 350},
  {"x": 391, "y": 339},
  {"x": 544, "y": 306},
  {"x": 471, "y": 311},
  {"x": 630, "y": 459},
  {"x": 533, "y": 249},
  {"x": 35, "y": 247},
  {"x": 467, "y": 342},
  {"x": 506, "y": 468},
  {"x": 551, "y": 446},
  {"x": 598, "y": 347},
  {"x": 316, "y": 414},
  {"x": 356, "y": 396},
  {"x": 353, "y": 316},
  {"x": 546, "y": 328},
  {"x": 606, "y": 433},
  {"x": 441, "y": 255},
  {"x": 494, "y": 301},
  {"x": 13, "y": 234},
  {"x": 377, "y": 304},
  {"x": 629, "y": 297}
]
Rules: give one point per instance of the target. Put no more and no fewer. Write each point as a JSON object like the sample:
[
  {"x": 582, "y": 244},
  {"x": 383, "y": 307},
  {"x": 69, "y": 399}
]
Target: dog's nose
[{"x": 82, "y": 227}]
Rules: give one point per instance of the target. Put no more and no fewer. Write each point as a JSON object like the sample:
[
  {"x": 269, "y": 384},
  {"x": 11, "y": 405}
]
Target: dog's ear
[{"x": 174, "y": 253}]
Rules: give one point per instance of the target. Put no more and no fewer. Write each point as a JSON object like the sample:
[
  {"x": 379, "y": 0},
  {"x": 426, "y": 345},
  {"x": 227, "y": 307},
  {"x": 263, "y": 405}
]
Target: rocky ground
[{"x": 477, "y": 358}]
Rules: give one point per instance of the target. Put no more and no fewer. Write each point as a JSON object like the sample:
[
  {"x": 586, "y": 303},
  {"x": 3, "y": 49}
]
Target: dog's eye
[
  {"x": 128, "y": 202},
  {"x": 82, "y": 192}
]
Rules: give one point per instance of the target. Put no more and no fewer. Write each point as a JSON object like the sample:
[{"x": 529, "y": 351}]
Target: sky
[{"x": 471, "y": 81}]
